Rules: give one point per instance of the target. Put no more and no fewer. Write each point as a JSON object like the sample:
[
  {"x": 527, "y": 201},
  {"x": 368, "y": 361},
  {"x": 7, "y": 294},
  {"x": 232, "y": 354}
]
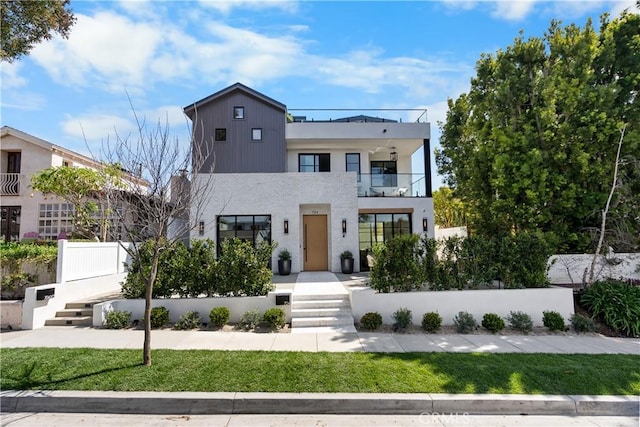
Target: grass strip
[{"x": 263, "y": 371}]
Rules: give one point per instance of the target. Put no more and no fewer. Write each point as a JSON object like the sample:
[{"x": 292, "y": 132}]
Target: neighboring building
[
  {"x": 27, "y": 213},
  {"x": 318, "y": 188}
]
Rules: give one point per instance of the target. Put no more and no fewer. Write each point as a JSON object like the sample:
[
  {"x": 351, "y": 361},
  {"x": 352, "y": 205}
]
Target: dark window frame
[
  {"x": 238, "y": 112},
  {"x": 389, "y": 229},
  {"x": 234, "y": 227},
  {"x": 347, "y": 163},
  {"x": 389, "y": 175},
  {"x": 321, "y": 161},
  {"x": 220, "y": 134},
  {"x": 256, "y": 139}
]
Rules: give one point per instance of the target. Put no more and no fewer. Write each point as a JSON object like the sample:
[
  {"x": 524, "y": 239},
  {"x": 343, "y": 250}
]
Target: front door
[{"x": 316, "y": 257}]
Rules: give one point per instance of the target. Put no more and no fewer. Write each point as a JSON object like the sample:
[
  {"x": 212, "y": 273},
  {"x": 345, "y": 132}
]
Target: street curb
[{"x": 198, "y": 403}]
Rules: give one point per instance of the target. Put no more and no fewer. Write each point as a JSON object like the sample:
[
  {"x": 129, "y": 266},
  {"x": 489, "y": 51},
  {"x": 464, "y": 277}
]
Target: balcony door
[
  {"x": 10, "y": 223},
  {"x": 13, "y": 162},
  {"x": 316, "y": 249}
]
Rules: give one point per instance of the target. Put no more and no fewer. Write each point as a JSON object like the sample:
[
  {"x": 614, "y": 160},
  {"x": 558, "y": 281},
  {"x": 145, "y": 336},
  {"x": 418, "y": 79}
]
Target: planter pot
[
  {"x": 284, "y": 267},
  {"x": 346, "y": 265}
]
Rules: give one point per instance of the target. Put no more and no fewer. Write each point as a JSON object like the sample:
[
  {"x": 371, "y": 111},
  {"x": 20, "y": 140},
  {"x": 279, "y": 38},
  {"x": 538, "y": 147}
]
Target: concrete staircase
[
  {"x": 321, "y": 307},
  {"x": 79, "y": 313}
]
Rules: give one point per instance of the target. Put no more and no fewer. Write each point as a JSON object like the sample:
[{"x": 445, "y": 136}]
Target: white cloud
[
  {"x": 11, "y": 78},
  {"x": 97, "y": 127},
  {"x": 226, "y": 6},
  {"x": 513, "y": 10}
]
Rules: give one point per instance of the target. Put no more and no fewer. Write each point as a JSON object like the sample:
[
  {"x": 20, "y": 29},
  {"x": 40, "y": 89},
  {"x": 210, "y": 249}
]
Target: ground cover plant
[
  {"x": 617, "y": 303},
  {"x": 264, "y": 371}
]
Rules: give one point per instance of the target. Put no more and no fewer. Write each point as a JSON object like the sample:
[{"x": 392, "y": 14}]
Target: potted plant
[
  {"x": 284, "y": 262},
  {"x": 346, "y": 262}
]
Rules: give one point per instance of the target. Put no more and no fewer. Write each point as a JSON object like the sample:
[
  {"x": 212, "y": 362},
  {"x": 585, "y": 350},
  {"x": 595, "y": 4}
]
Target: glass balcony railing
[{"x": 392, "y": 185}]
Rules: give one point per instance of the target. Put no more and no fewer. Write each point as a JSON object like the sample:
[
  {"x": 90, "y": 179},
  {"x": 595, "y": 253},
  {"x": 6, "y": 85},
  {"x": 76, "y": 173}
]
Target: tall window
[
  {"x": 254, "y": 228},
  {"x": 378, "y": 228},
  {"x": 353, "y": 163},
  {"x": 314, "y": 163},
  {"x": 10, "y": 223},
  {"x": 384, "y": 173}
]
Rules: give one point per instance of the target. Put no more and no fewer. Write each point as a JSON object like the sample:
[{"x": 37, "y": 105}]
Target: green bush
[
  {"x": 14, "y": 256},
  {"x": 159, "y": 317},
  {"x": 402, "y": 319},
  {"x": 275, "y": 317},
  {"x": 189, "y": 320},
  {"x": 464, "y": 322},
  {"x": 520, "y": 321},
  {"x": 617, "y": 303},
  {"x": 523, "y": 260},
  {"x": 117, "y": 319},
  {"x": 242, "y": 269},
  {"x": 553, "y": 320},
  {"x": 219, "y": 316},
  {"x": 431, "y": 321},
  {"x": 397, "y": 265},
  {"x": 249, "y": 319},
  {"x": 371, "y": 321},
  {"x": 492, "y": 322},
  {"x": 582, "y": 323}
]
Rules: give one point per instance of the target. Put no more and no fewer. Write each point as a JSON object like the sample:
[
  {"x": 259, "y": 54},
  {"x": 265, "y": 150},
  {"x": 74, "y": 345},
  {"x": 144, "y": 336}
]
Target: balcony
[
  {"x": 10, "y": 184},
  {"x": 392, "y": 185}
]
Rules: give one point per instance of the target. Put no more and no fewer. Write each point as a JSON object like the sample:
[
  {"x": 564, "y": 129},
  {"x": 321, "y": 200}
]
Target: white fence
[
  {"x": 571, "y": 269},
  {"x": 81, "y": 260},
  {"x": 179, "y": 306},
  {"x": 532, "y": 301},
  {"x": 85, "y": 269}
]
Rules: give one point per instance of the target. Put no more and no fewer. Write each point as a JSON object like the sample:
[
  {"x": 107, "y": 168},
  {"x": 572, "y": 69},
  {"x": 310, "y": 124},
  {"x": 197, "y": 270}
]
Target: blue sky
[{"x": 164, "y": 55}]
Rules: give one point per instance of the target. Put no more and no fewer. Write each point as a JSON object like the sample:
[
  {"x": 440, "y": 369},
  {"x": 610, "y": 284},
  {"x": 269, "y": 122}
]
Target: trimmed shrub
[
  {"x": 520, "y": 321},
  {"x": 492, "y": 322},
  {"x": 189, "y": 320},
  {"x": 617, "y": 303},
  {"x": 117, "y": 319},
  {"x": 275, "y": 317},
  {"x": 159, "y": 317},
  {"x": 249, "y": 319},
  {"x": 582, "y": 323},
  {"x": 464, "y": 322},
  {"x": 371, "y": 321},
  {"x": 553, "y": 320},
  {"x": 242, "y": 269},
  {"x": 402, "y": 318},
  {"x": 219, "y": 316},
  {"x": 431, "y": 321},
  {"x": 397, "y": 266}
]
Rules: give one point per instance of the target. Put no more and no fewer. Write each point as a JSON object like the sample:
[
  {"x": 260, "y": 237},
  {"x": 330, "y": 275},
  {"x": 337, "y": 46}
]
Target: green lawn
[{"x": 262, "y": 371}]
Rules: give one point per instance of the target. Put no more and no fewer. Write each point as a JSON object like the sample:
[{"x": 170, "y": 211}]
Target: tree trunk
[{"x": 146, "y": 351}]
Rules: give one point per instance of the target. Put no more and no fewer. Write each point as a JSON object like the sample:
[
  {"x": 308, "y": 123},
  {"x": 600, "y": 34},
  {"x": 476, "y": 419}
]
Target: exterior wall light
[
  {"x": 425, "y": 224},
  {"x": 286, "y": 226},
  {"x": 394, "y": 155},
  {"x": 344, "y": 227},
  {"x": 201, "y": 228}
]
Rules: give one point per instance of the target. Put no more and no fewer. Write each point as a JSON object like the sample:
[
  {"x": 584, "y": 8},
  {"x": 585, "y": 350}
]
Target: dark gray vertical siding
[{"x": 239, "y": 154}]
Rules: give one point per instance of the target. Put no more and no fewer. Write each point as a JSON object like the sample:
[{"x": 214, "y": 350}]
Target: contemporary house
[
  {"x": 28, "y": 214},
  {"x": 317, "y": 187}
]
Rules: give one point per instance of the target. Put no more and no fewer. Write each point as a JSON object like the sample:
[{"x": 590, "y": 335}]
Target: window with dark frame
[
  {"x": 378, "y": 228},
  {"x": 238, "y": 113},
  {"x": 253, "y": 228},
  {"x": 256, "y": 134},
  {"x": 353, "y": 163},
  {"x": 384, "y": 173},
  {"x": 314, "y": 162},
  {"x": 221, "y": 134}
]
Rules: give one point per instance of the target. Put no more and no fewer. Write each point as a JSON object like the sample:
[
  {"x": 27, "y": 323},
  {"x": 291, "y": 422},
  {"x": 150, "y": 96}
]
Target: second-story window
[
  {"x": 256, "y": 134},
  {"x": 238, "y": 113},
  {"x": 221, "y": 134},
  {"x": 314, "y": 162},
  {"x": 353, "y": 163},
  {"x": 384, "y": 174}
]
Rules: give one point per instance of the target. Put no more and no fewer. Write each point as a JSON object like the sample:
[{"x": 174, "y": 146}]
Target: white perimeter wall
[
  {"x": 81, "y": 260},
  {"x": 179, "y": 306},
  {"x": 476, "y": 302},
  {"x": 570, "y": 268}
]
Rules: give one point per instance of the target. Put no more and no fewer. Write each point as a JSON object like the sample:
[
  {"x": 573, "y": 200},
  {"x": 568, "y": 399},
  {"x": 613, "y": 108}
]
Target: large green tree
[
  {"x": 28, "y": 22},
  {"x": 532, "y": 145},
  {"x": 449, "y": 210}
]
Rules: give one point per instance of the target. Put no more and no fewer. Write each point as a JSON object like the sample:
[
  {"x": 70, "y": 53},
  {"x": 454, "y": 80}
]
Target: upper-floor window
[
  {"x": 221, "y": 134},
  {"x": 256, "y": 134},
  {"x": 238, "y": 113},
  {"x": 353, "y": 163},
  {"x": 314, "y": 162},
  {"x": 384, "y": 173}
]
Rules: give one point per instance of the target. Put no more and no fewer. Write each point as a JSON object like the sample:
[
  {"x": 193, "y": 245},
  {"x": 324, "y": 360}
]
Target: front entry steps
[
  {"x": 321, "y": 307},
  {"x": 79, "y": 313}
]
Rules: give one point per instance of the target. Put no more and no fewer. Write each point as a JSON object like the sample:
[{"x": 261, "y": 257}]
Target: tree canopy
[
  {"x": 532, "y": 145},
  {"x": 28, "y": 22},
  {"x": 449, "y": 210}
]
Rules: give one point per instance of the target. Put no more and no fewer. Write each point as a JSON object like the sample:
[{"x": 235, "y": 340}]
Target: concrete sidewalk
[{"x": 69, "y": 337}]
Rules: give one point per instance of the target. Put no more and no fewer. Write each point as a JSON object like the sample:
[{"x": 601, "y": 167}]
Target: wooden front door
[{"x": 316, "y": 257}]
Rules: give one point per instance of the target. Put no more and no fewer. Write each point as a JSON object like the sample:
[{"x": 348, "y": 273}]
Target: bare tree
[{"x": 152, "y": 208}]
